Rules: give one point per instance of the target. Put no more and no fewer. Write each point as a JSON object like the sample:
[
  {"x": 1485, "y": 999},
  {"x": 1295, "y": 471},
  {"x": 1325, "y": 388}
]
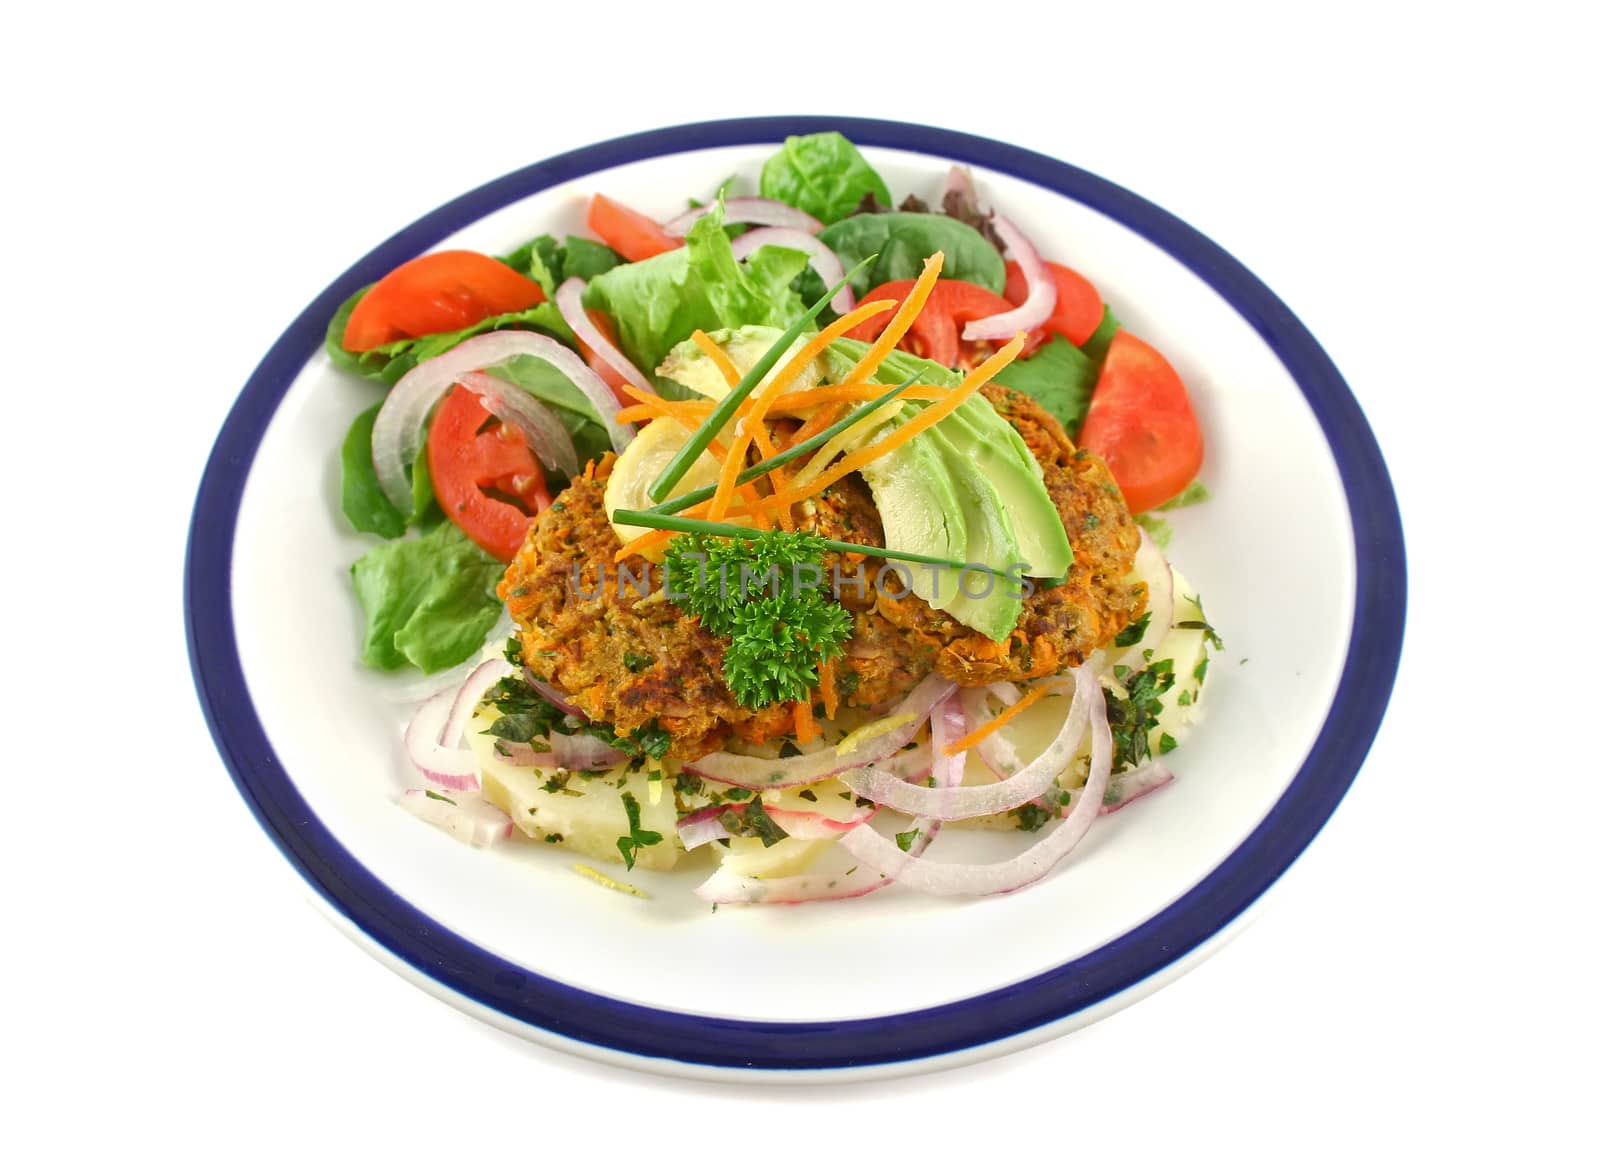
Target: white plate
[{"x": 1298, "y": 556}]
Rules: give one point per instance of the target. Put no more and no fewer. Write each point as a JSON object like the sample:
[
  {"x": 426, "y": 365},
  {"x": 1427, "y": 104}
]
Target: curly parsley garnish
[{"x": 764, "y": 597}]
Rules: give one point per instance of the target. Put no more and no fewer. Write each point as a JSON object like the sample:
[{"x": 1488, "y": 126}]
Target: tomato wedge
[
  {"x": 1078, "y": 304},
  {"x": 466, "y": 464},
  {"x": 632, "y": 234},
  {"x": 1140, "y": 420},
  {"x": 936, "y": 332},
  {"x": 602, "y": 368},
  {"x": 438, "y": 292}
]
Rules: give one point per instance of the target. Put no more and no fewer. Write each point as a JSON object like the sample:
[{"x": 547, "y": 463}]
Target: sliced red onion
[
  {"x": 705, "y": 825},
  {"x": 547, "y": 436},
  {"x": 948, "y": 879},
  {"x": 578, "y": 751},
  {"x": 450, "y": 766},
  {"x": 827, "y": 265},
  {"x": 1132, "y": 785},
  {"x": 397, "y": 433},
  {"x": 957, "y": 804},
  {"x": 550, "y": 693},
  {"x": 959, "y": 183},
  {"x": 759, "y": 773},
  {"x": 466, "y": 816},
  {"x": 569, "y": 300},
  {"x": 1041, "y": 300},
  {"x": 748, "y": 210},
  {"x": 472, "y": 691},
  {"x": 1150, "y": 566},
  {"x": 843, "y": 882}
]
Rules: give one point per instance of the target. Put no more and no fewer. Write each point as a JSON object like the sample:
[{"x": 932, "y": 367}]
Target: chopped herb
[
  {"x": 738, "y": 794},
  {"x": 1132, "y": 718},
  {"x": 789, "y": 749},
  {"x": 1185, "y": 699},
  {"x": 553, "y": 838},
  {"x": 437, "y": 796},
  {"x": 1200, "y": 670},
  {"x": 1244, "y": 660},
  {"x": 1167, "y": 743},
  {"x": 637, "y": 662},
  {"x": 906, "y": 839},
  {"x": 1091, "y": 522},
  {"x": 807, "y": 794},
  {"x": 752, "y": 821},
  {"x": 514, "y": 648},
  {"x": 1133, "y": 634},
  {"x": 863, "y": 802},
  {"x": 851, "y": 869},
  {"x": 1120, "y": 672},
  {"x": 1032, "y": 817},
  {"x": 688, "y": 784},
  {"x": 636, "y": 837}
]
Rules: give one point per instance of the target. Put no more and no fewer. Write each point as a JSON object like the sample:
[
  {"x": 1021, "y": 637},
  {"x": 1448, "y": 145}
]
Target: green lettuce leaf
[
  {"x": 655, "y": 303},
  {"x": 903, "y": 240},
  {"x": 429, "y": 600},
  {"x": 822, "y": 174}
]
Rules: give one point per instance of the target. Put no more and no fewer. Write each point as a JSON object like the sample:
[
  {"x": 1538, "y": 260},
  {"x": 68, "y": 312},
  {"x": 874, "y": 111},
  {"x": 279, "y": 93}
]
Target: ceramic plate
[{"x": 1298, "y": 556}]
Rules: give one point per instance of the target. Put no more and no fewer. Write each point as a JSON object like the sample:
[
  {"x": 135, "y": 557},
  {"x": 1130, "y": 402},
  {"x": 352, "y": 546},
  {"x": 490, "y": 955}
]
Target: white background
[{"x": 1418, "y": 185}]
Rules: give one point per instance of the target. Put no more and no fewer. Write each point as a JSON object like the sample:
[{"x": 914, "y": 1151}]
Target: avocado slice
[
  {"x": 1040, "y": 534},
  {"x": 989, "y": 604},
  {"x": 921, "y": 513},
  {"x": 689, "y": 366}
]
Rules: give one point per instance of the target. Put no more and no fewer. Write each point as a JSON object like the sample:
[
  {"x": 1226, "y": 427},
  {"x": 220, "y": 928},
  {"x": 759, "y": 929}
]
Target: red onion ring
[
  {"x": 547, "y": 436},
  {"x": 947, "y": 879},
  {"x": 452, "y": 767},
  {"x": 397, "y": 432},
  {"x": 569, "y": 300},
  {"x": 748, "y": 210},
  {"x": 960, "y": 803},
  {"x": 555, "y": 697},
  {"x": 828, "y": 265},
  {"x": 578, "y": 751},
  {"x": 1041, "y": 300},
  {"x": 466, "y": 816},
  {"x": 472, "y": 691},
  {"x": 1150, "y": 566},
  {"x": 705, "y": 825},
  {"x": 1133, "y": 784}
]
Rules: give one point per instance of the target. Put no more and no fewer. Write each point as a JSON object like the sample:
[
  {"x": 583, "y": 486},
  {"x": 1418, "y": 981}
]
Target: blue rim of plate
[{"x": 503, "y": 988}]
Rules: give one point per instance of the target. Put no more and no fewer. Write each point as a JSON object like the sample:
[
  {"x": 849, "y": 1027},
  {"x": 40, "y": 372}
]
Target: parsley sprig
[
  {"x": 636, "y": 837},
  {"x": 761, "y": 595}
]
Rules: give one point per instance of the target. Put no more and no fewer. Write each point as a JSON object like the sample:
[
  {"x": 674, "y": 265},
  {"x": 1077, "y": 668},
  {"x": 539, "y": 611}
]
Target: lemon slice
[{"x": 641, "y": 462}]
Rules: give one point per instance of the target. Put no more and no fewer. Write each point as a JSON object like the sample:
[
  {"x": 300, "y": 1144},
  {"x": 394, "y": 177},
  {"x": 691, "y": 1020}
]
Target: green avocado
[
  {"x": 982, "y": 601},
  {"x": 998, "y": 451},
  {"x": 921, "y": 513},
  {"x": 689, "y": 366}
]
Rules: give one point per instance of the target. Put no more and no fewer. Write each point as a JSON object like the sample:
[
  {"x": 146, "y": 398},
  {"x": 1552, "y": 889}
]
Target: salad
[{"x": 775, "y": 538}]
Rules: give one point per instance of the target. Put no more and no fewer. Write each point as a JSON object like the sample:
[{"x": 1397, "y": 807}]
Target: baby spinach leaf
[
  {"x": 823, "y": 174},
  {"x": 1059, "y": 376},
  {"x": 428, "y": 600},
  {"x": 903, "y": 240}
]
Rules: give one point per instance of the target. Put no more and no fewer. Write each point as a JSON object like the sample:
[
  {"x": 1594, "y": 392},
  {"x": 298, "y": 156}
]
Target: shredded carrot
[
  {"x": 899, "y": 324},
  {"x": 824, "y": 416},
  {"x": 1032, "y": 697},
  {"x": 846, "y": 394},
  {"x": 713, "y": 350},
  {"x": 775, "y": 477},
  {"x": 927, "y": 418},
  {"x": 830, "y": 690},
  {"x": 639, "y": 544},
  {"x": 805, "y": 725}
]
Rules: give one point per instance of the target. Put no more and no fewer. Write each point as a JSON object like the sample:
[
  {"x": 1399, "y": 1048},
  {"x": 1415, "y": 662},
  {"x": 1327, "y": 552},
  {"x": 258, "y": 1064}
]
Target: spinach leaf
[
  {"x": 360, "y": 495},
  {"x": 1100, "y": 339},
  {"x": 903, "y": 240},
  {"x": 545, "y": 261},
  {"x": 658, "y": 302},
  {"x": 428, "y": 600},
  {"x": 1059, "y": 376},
  {"x": 822, "y": 174}
]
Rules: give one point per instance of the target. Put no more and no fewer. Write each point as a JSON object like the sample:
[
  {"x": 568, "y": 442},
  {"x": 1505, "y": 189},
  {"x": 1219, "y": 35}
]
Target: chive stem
[
  {"x": 690, "y": 452},
  {"x": 810, "y": 444},
  {"x": 657, "y": 520}
]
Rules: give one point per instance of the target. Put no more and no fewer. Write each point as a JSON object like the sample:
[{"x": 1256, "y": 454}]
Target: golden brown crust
[{"x": 631, "y": 660}]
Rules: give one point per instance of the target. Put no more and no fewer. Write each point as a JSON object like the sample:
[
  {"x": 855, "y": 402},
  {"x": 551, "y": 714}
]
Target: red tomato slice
[
  {"x": 936, "y": 332},
  {"x": 1078, "y": 304},
  {"x": 439, "y": 292},
  {"x": 614, "y": 379},
  {"x": 632, "y": 234},
  {"x": 1140, "y": 420},
  {"x": 464, "y": 464}
]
